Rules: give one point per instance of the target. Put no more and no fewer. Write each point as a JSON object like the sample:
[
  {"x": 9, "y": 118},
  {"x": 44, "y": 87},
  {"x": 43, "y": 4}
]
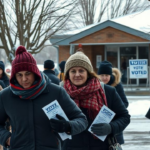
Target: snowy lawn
[{"x": 138, "y": 106}]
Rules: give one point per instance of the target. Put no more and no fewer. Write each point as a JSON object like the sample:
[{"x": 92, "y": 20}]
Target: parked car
[{"x": 40, "y": 66}]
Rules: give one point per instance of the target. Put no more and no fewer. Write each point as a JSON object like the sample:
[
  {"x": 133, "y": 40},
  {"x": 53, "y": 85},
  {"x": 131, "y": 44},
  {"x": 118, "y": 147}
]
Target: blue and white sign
[{"x": 138, "y": 68}]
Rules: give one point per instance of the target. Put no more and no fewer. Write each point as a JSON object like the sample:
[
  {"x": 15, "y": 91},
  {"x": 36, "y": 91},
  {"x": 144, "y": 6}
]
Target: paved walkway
[{"x": 137, "y": 135}]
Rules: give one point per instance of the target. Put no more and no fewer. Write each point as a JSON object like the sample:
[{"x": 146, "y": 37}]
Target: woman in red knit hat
[{"x": 30, "y": 90}]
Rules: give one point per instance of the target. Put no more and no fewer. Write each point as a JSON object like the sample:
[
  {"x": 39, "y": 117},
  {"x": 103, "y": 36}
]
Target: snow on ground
[
  {"x": 138, "y": 106},
  {"x": 137, "y": 133}
]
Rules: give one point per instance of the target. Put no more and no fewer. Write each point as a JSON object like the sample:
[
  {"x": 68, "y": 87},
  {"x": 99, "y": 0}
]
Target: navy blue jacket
[
  {"x": 85, "y": 140},
  {"x": 30, "y": 126},
  {"x": 52, "y": 76}
]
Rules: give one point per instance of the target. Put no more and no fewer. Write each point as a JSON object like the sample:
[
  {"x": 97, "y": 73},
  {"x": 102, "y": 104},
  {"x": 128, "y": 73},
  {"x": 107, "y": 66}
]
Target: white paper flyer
[
  {"x": 104, "y": 116},
  {"x": 51, "y": 110}
]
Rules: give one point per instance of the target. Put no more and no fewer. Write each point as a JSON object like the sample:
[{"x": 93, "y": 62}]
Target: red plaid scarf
[{"x": 90, "y": 96}]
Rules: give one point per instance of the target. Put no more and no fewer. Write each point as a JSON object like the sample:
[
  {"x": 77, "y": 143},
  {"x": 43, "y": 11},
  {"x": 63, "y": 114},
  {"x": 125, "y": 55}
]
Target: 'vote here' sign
[{"x": 138, "y": 68}]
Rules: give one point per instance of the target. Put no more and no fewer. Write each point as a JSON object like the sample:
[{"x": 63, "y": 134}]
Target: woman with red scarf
[{"x": 84, "y": 87}]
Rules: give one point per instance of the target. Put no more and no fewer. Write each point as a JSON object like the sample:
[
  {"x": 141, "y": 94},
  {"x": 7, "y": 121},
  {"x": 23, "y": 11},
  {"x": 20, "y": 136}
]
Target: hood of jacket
[{"x": 117, "y": 74}]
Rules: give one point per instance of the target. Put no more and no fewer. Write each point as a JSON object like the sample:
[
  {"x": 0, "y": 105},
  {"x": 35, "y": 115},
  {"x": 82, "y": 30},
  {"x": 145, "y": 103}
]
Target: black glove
[
  {"x": 101, "y": 129},
  {"x": 60, "y": 125}
]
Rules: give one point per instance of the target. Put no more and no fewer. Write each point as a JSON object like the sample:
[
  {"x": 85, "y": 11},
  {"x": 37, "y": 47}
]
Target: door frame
[{"x": 118, "y": 55}]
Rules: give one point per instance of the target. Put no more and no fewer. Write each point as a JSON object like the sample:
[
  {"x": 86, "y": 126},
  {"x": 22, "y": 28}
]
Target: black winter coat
[
  {"x": 115, "y": 82},
  {"x": 5, "y": 79},
  {"x": 119, "y": 88},
  {"x": 30, "y": 126},
  {"x": 52, "y": 76},
  {"x": 85, "y": 140},
  {"x": 120, "y": 91}
]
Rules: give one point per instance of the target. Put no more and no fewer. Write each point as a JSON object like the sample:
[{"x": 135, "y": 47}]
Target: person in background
[
  {"x": 3, "y": 76},
  {"x": 112, "y": 76},
  {"x": 4, "y": 82},
  {"x": 30, "y": 90},
  {"x": 49, "y": 67},
  {"x": 84, "y": 87},
  {"x": 56, "y": 72},
  {"x": 2, "y": 86},
  {"x": 61, "y": 67}
]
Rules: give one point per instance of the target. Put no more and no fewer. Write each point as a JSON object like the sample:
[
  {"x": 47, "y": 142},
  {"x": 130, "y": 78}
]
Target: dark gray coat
[
  {"x": 30, "y": 126},
  {"x": 85, "y": 140},
  {"x": 119, "y": 88},
  {"x": 122, "y": 95},
  {"x": 52, "y": 76}
]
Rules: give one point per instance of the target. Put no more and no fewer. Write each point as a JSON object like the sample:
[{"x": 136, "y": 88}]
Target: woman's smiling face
[{"x": 78, "y": 76}]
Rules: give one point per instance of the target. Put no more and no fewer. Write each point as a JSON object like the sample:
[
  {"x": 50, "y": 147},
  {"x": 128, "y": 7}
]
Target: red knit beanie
[{"x": 23, "y": 61}]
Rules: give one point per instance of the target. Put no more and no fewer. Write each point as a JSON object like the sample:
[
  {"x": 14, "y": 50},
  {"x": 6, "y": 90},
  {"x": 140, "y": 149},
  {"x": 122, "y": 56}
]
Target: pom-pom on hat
[
  {"x": 105, "y": 68},
  {"x": 24, "y": 61},
  {"x": 79, "y": 48},
  {"x": 80, "y": 45}
]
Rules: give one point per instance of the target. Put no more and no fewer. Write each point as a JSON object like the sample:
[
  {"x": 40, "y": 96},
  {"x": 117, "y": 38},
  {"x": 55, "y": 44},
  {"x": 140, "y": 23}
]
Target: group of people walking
[{"x": 81, "y": 95}]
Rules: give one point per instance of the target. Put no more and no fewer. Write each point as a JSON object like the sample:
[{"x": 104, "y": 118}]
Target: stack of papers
[
  {"x": 104, "y": 116},
  {"x": 51, "y": 110}
]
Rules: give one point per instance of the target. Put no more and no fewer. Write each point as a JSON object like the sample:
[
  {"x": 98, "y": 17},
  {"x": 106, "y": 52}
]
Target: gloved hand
[
  {"x": 60, "y": 125},
  {"x": 101, "y": 129}
]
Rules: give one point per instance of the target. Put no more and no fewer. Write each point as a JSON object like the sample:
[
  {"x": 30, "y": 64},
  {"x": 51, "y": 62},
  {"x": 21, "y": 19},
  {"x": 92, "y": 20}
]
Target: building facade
[{"x": 110, "y": 41}]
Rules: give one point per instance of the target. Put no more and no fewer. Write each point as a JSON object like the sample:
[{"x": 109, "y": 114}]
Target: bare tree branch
[
  {"x": 2, "y": 47},
  {"x": 31, "y": 23},
  {"x": 93, "y": 11}
]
